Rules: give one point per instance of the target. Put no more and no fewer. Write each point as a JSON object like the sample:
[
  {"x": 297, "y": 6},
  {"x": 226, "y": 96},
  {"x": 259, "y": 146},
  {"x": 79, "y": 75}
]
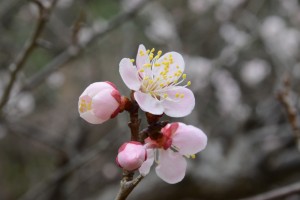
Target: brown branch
[
  {"x": 127, "y": 187},
  {"x": 278, "y": 193},
  {"x": 74, "y": 51},
  {"x": 283, "y": 97},
  {"x": 135, "y": 122},
  {"x": 30, "y": 45},
  {"x": 127, "y": 183}
]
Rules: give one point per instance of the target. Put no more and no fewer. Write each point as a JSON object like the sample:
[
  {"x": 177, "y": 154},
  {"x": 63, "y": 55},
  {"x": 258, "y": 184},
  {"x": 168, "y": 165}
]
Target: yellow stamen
[
  {"x": 147, "y": 65},
  {"x": 151, "y": 56},
  {"x": 184, "y": 76},
  {"x": 177, "y": 95},
  {"x": 188, "y": 83},
  {"x": 182, "y": 96},
  {"x": 157, "y": 64},
  {"x": 193, "y": 156},
  {"x": 165, "y": 96},
  {"x": 141, "y": 53},
  {"x": 132, "y": 60},
  {"x": 141, "y": 70}
]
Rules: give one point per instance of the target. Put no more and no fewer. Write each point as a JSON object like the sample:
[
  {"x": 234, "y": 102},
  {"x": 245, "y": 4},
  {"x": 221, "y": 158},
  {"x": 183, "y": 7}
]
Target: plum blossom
[
  {"x": 177, "y": 140},
  {"x": 99, "y": 102},
  {"x": 131, "y": 155},
  {"x": 155, "y": 81}
]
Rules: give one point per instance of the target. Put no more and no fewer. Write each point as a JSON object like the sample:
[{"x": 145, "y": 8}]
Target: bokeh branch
[
  {"x": 278, "y": 193},
  {"x": 19, "y": 62},
  {"x": 74, "y": 50},
  {"x": 283, "y": 96}
]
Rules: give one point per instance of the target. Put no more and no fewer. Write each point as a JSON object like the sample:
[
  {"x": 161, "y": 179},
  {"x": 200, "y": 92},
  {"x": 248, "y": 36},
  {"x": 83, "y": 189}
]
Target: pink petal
[
  {"x": 145, "y": 168},
  {"x": 131, "y": 155},
  {"x": 129, "y": 74},
  {"x": 96, "y": 87},
  {"x": 177, "y": 61},
  {"x": 104, "y": 105},
  {"x": 181, "y": 106},
  {"x": 189, "y": 139},
  {"x": 171, "y": 167},
  {"x": 90, "y": 117},
  {"x": 148, "y": 104}
]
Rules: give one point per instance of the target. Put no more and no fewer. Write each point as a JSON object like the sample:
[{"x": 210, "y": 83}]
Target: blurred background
[{"x": 240, "y": 55}]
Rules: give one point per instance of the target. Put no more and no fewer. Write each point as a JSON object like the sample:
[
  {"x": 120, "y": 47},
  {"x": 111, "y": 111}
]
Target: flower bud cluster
[{"x": 154, "y": 81}]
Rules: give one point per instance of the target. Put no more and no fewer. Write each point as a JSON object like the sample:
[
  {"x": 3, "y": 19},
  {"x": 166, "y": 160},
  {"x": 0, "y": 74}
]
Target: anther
[{"x": 147, "y": 65}]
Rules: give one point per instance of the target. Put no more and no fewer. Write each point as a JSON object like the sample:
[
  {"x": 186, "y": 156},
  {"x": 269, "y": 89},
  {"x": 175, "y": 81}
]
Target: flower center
[
  {"x": 161, "y": 75},
  {"x": 85, "y": 106}
]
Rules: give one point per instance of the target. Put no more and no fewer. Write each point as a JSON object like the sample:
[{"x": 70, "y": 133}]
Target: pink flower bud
[
  {"x": 99, "y": 102},
  {"x": 131, "y": 155}
]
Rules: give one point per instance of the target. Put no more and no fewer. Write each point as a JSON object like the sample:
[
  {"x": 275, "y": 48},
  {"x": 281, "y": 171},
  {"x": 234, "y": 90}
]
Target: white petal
[
  {"x": 171, "y": 167},
  {"x": 178, "y": 64},
  {"x": 148, "y": 104},
  {"x": 141, "y": 59},
  {"x": 90, "y": 117},
  {"x": 181, "y": 106},
  {"x": 129, "y": 74},
  {"x": 189, "y": 139},
  {"x": 145, "y": 168}
]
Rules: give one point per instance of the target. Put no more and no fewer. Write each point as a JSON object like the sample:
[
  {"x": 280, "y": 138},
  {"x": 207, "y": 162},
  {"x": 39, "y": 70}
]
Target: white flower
[{"x": 155, "y": 80}]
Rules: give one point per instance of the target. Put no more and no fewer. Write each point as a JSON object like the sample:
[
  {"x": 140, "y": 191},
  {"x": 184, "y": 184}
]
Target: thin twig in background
[
  {"x": 30, "y": 45},
  {"x": 74, "y": 51},
  {"x": 283, "y": 96},
  {"x": 278, "y": 193},
  {"x": 75, "y": 163},
  {"x": 33, "y": 133}
]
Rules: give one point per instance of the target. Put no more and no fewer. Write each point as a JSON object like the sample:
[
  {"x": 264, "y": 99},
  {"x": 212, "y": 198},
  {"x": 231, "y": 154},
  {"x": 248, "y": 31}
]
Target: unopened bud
[
  {"x": 99, "y": 102},
  {"x": 131, "y": 155}
]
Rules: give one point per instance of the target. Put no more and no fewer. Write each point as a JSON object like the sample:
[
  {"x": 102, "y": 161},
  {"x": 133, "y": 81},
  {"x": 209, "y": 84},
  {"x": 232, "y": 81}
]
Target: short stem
[{"x": 135, "y": 122}]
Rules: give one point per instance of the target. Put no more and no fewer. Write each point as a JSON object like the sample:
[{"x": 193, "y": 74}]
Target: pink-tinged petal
[
  {"x": 141, "y": 57},
  {"x": 148, "y": 104},
  {"x": 171, "y": 166},
  {"x": 90, "y": 117},
  {"x": 177, "y": 65},
  {"x": 189, "y": 139},
  {"x": 170, "y": 129},
  {"x": 180, "y": 107},
  {"x": 96, "y": 87},
  {"x": 129, "y": 74},
  {"x": 145, "y": 168},
  {"x": 104, "y": 105}
]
